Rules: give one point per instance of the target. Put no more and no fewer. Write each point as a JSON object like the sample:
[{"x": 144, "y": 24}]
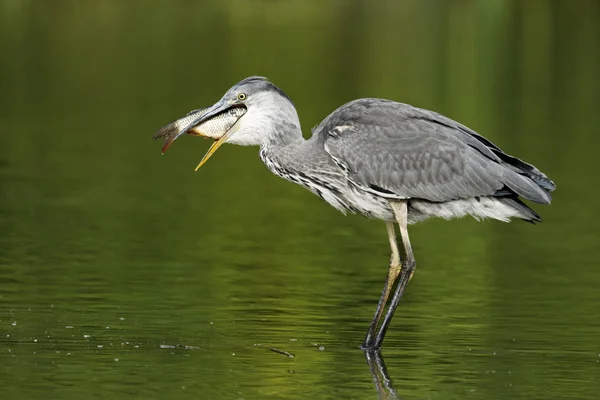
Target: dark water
[{"x": 124, "y": 274}]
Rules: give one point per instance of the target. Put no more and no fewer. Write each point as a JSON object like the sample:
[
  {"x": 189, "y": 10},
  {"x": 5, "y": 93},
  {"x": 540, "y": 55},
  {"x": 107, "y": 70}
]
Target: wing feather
[{"x": 407, "y": 152}]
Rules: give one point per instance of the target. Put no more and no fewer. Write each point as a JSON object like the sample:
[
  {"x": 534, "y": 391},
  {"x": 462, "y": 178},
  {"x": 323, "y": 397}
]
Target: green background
[{"x": 113, "y": 258}]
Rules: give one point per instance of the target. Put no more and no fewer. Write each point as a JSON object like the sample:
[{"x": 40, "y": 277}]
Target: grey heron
[{"x": 377, "y": 158}]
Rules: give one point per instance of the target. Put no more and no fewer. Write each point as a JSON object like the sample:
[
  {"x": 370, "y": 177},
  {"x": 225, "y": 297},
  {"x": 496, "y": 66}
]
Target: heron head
[{"x": 269, "y": 113}]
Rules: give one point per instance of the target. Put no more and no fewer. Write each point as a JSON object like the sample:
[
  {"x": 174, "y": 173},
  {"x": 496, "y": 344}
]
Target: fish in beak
[{"x": 216, "y": 122}]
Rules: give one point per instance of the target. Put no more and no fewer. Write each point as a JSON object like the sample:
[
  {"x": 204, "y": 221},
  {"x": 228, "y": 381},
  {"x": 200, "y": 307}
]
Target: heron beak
[
  {"x": 214, "y": 148},
  {"x": 175, "y": 129},
  {"x": 218, "y": 108}
]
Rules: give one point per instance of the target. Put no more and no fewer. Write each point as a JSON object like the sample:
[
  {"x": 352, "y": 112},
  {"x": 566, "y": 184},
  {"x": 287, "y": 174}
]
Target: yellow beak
[{"x": 214, "y": 148}]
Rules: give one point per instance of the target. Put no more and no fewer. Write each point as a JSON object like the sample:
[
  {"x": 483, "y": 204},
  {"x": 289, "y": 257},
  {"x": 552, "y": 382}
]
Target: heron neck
[
  {"x": 284, "y": 134},
  {"x": 296, "y": 156}
]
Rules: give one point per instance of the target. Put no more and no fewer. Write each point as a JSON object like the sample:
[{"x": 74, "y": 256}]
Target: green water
[{"x": 124, "y": 274}]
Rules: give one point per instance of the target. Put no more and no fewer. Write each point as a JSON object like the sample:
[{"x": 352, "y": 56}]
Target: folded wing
[{"x": 399, "y": 151}]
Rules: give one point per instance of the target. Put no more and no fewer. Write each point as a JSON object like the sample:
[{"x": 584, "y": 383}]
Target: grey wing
[{"x": 398, "y": 151}]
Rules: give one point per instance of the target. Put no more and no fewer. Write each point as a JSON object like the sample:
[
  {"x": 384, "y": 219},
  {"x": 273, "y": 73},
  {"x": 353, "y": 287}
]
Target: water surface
[{"x": 124, "y": 274}]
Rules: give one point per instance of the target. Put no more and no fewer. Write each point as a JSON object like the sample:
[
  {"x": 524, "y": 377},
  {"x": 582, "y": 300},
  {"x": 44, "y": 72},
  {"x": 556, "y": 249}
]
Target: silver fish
[{"x": 213, "y": 128}]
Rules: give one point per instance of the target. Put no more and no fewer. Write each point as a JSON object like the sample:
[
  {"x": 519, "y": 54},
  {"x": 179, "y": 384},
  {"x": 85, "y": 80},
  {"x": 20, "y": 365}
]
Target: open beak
[
  {"x": 214, "y": 148},
  {"x": 205, "y": 115},
  {"x": 216, "y": 109},
  {"x": 198, "y": 123}
]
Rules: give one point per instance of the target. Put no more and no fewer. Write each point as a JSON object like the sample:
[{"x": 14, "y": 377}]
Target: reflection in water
[{"x": 381, "y": 378}]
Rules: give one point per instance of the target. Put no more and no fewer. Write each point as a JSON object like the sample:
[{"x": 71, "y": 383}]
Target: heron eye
[{"x": 242, "y": 96}]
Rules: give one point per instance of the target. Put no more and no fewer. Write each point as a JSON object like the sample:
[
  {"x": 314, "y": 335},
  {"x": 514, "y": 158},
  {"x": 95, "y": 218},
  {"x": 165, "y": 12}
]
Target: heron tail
[
  {"x": 526, "y": 213},
  {"x": 526, "y": 180}
]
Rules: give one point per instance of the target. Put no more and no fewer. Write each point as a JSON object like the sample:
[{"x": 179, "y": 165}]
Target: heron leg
[
  {"x": 408, "y": 268},
  {"x": 393, "y": 272}
]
